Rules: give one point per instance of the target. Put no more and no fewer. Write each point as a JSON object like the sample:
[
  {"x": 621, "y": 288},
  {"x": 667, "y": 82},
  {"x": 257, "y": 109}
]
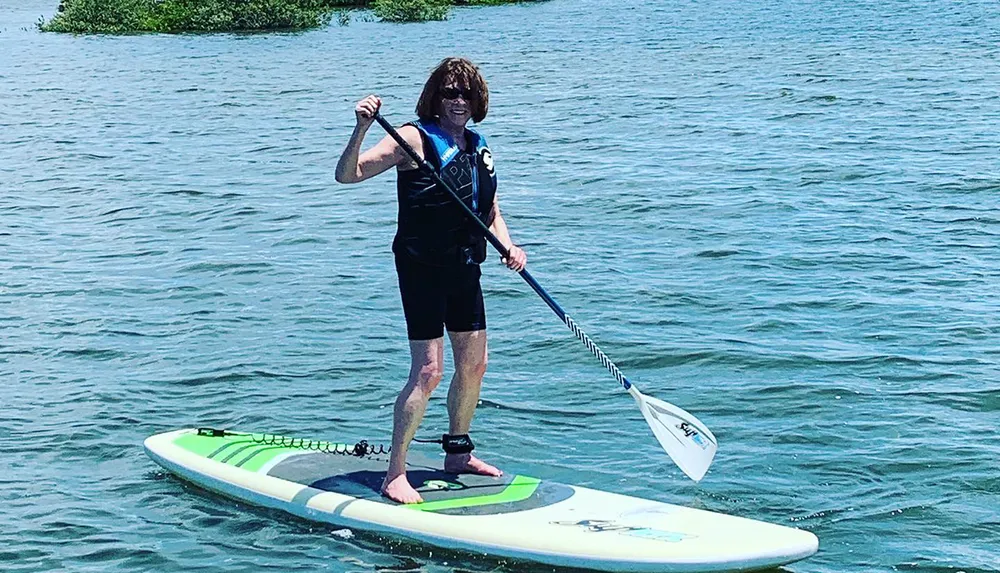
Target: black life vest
[{"x": 431, "y": 227}]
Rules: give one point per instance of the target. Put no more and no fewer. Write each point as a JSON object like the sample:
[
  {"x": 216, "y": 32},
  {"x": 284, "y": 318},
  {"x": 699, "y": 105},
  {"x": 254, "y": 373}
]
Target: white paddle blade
[{"x": 688, "y": 442}]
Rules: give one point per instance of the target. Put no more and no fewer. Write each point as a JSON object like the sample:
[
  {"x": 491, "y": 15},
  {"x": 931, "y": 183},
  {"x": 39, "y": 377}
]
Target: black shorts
[{"x": 435, "y": 297}]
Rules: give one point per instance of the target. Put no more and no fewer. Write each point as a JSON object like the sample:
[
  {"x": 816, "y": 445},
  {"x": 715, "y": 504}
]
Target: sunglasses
[{"x": 453, "y": 93}]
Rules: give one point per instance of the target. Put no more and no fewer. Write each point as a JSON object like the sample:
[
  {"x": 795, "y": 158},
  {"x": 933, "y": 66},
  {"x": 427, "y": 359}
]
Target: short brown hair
[{"x": 465, "y": 74}]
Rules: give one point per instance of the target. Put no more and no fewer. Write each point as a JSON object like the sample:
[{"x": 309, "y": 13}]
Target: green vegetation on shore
[
  {"x": 172, "y": 16},
  {"x": 410, "y": 10}
]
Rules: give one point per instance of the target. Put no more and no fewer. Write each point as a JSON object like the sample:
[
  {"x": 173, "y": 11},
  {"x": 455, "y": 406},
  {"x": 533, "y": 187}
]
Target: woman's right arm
[{"x": 355, "y": 166}]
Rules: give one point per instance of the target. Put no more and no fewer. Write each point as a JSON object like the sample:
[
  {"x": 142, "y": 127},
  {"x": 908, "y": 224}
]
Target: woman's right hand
[{"x": 365, "y": 111}]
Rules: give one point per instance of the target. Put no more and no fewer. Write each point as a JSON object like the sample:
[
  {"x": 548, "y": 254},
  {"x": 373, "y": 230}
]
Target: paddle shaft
[{"x": 427, "y": 168}]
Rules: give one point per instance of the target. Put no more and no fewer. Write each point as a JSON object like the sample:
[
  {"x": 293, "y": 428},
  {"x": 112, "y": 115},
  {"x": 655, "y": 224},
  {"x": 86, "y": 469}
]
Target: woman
[{"x": 438, "y": 250}]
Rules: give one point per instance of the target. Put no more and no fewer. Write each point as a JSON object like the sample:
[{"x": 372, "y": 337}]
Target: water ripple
[{"x": 780, "y": 216}]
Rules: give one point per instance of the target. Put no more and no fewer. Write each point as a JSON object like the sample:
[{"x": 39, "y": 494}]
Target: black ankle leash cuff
[{"x": 457, "y": 443}]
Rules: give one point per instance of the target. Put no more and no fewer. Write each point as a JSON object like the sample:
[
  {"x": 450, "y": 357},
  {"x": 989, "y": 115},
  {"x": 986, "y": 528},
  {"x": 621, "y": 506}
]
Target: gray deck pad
[{"x": 362, "y": 478}]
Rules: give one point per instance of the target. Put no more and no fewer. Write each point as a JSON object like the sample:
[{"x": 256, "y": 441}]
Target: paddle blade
[{"x": 688, "y": 442}]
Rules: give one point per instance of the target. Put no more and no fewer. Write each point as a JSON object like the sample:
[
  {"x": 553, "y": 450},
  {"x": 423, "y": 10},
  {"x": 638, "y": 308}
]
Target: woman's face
[{"x": 455, "y": 107}]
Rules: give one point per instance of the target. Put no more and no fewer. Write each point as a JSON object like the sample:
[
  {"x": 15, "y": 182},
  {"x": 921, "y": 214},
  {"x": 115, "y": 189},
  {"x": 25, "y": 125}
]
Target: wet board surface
[{"x": 512, "y": 516}]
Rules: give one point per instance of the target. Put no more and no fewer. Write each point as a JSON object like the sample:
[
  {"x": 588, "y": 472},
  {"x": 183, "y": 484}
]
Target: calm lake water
[{"x": 781, "y": 216}]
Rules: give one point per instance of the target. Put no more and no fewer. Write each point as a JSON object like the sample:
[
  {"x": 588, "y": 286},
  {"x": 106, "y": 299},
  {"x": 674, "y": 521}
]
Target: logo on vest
[{"x": 487, "y": 158}]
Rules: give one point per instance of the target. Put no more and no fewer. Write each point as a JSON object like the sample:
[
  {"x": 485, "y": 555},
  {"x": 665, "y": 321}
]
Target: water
[{"x": 782, "y": 216}]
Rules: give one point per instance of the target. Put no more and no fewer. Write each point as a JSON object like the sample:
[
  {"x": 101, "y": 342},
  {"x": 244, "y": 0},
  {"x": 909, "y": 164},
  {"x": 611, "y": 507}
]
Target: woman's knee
[
  {"x": 427, "y": 363},
  {"x": 427, "y": 374}
]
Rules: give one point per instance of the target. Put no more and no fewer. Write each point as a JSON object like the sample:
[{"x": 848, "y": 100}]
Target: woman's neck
[{"x": 456, "y": 131}]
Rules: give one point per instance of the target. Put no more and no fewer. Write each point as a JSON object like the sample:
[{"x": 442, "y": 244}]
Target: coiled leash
[
  {"x": 361, "y": 449},
  {"x": 450, "y": 443}
]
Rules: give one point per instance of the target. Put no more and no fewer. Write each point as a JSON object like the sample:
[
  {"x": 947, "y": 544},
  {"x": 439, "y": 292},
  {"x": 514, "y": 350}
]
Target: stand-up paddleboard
[{"x": 513, "y": 516}]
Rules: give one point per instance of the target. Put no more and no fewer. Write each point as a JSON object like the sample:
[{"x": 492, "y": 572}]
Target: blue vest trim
[{"x": 444, "y": 146}]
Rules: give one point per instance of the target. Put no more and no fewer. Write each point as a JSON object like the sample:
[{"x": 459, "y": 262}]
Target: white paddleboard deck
[{"x": 513, "y": 516}]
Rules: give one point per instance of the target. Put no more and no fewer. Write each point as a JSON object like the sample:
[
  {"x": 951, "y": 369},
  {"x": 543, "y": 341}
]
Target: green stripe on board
[
  {"x": 242, "y": 451},
  {"x": 520, "y": 489},
  {"x": 205, "y": 445},
  {"x": 256, "y": 460}
]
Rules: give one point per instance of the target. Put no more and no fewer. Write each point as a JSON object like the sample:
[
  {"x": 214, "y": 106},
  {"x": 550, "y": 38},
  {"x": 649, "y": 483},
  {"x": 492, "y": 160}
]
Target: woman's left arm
[{"x": 518, "y": 258}]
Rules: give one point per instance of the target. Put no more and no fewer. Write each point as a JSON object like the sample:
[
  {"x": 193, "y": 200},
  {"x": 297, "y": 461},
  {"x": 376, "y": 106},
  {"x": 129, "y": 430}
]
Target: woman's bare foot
[
  {"x": 469, "y": 464},
  {"x": 398, "y": 489}
]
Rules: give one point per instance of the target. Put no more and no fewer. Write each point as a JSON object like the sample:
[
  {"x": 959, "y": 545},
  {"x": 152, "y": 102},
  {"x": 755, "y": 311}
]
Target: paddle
[{"x": 691, "y": 445}]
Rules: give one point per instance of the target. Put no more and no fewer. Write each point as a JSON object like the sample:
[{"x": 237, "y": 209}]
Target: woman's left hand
[{"x": 516, "y": 260}]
